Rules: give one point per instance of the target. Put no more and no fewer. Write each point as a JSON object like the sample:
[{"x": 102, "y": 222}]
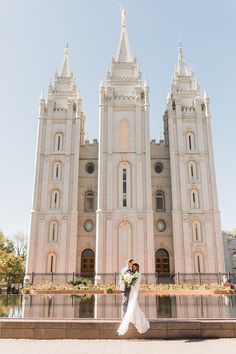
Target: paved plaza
[{"x": 185, "y": 346}]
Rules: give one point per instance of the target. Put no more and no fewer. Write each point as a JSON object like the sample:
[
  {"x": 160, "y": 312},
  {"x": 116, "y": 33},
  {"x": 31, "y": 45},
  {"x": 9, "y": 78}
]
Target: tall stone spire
[
  {"x": 123, "y": 53},
  {"x": 64, "y": 79},
  {"x": 182, "y": 69},
  {"x": 195, "y": 212},
  {"x": 183, "y": 78},
  {"x": 65, "y": 68},
  {"x": 124, "y": 154}
]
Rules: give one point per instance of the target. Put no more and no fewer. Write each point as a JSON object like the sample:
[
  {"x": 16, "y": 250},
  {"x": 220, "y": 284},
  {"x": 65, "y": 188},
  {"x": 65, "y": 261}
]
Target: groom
[{"x": 123, "y": 288}]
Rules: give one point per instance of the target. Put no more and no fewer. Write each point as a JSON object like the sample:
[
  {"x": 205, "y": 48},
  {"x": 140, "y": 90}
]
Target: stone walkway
[{"x": 185, "y": 346}]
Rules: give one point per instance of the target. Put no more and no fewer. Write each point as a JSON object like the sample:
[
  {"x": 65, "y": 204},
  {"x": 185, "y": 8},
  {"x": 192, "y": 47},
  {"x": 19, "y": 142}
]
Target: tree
[
  {"x": 11, "y": 265},
  {"x": 230, "y": 233},
  {"x": 6, "y": 244},
  {"x": 11, "y": 268},
  {"x": 20, "y": 244},
  {"x": 2, "y": 240}
]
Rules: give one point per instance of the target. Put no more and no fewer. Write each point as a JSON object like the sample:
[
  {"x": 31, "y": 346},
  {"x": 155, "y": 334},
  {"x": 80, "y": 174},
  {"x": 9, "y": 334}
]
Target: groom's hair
[{"x": 130, "y": 260}]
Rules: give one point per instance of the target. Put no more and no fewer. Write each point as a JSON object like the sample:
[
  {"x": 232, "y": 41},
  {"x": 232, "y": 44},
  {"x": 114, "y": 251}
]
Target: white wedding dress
[{"x": 134, "y": 314}]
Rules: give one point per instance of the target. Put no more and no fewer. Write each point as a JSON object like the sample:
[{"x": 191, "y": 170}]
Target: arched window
[
  {"x": 194, "y": 199},
  {"x": 57, "y": 170},
  {"x": 124, "y": 133},
  {"x": 125, "y": 242},
  {"x": 190, "y": 141},
  {"x": 197, "y": 234},
  {"x": 58, "y": 145},
  {"x": 160, "y": 201},
  {"x": 51, "y": 264},
  {"x": 234, "y": 262},
  {"x": 55, "y": 199},
  {"x": 192, "y": 170},
  {"x": 124, "y": 185},
  {"x": 89, "y": 201},
  {"x": 87, "y": 262},
  {"x": 162, "y": 261},
  {"x": 53, "y": 231},
  {"x": 199, "y": 263}
]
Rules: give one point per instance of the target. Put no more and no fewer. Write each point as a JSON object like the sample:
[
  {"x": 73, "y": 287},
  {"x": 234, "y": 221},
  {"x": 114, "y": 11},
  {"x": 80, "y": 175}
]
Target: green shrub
[{"x": 79, "y": 281}]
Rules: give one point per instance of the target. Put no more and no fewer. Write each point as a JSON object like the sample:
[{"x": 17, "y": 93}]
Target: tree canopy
[{"x": 12, "y": 259}]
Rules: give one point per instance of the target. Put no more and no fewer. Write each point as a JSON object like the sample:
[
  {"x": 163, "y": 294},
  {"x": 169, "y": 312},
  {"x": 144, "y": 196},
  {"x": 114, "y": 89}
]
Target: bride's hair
[{"x": 137, "y": 266}]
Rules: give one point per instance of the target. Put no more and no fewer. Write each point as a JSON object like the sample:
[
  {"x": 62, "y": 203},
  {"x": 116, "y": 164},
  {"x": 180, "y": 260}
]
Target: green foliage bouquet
[{"x": 128, "y": 279}]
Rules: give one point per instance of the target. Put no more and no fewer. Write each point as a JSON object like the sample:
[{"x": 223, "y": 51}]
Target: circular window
[
  {"x": 90, "y": 167},
  {"x": 158, "y": 167},
  {"x": 161, "y": 225},
  {"x": 88, "y": 225}
]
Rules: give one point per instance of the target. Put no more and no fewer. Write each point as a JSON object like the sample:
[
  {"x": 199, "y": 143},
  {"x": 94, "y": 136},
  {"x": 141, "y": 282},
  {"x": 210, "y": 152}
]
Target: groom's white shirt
[
  {"x": 124, "y": 269},
  {"x": 121, "y": 286}
]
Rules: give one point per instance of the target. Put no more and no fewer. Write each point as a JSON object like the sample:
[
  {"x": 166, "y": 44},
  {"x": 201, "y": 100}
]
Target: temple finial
[
  {"x": 101, "y": 83},
  {"x": 180, "y": 50},
  {"x": 181, "y": 66},
  {"x": 145, "y": 82},
  {"x": 123, "y": 53},
  {"x": 205, "y": 94},
  {"x": 65, "y": 68},
  {"x": 123, "y": 14}
]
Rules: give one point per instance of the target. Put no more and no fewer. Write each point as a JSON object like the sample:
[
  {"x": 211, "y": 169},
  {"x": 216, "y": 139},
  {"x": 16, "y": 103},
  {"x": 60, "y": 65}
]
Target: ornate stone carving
[{"x": 124, "y": 218}]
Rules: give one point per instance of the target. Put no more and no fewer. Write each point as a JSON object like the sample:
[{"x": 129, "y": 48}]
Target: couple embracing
[{"x": 129, "y": 286}]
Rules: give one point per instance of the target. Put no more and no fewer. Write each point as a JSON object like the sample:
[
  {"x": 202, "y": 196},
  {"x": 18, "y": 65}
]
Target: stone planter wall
[
  {"x": 142, "y": 292},
  {"x": 105, "y": 329}
]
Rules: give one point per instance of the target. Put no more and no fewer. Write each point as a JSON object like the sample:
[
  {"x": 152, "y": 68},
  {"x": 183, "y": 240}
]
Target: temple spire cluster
[{"x": 97, "y": 204}]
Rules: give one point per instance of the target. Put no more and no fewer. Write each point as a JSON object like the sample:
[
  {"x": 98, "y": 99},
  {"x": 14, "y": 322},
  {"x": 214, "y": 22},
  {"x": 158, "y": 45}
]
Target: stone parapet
[{"x": 107, "y": 329}]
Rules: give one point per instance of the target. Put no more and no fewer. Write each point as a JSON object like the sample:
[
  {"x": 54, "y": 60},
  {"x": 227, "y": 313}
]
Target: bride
[{"x": 134, "y": 314}]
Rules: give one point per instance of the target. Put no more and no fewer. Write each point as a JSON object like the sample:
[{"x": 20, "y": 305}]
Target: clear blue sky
[{"x": 33, "y": 35}]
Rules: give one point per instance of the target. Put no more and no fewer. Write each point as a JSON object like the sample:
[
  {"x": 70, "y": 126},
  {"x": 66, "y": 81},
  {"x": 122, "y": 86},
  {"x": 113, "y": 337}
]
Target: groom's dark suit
[{"x": 125, "y": 292}]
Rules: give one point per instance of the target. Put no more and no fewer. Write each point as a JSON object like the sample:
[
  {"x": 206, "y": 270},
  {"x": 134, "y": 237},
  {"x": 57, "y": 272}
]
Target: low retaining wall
[
  {"x": 141, "y": 292},
  {"x": 106, "y": 329}
]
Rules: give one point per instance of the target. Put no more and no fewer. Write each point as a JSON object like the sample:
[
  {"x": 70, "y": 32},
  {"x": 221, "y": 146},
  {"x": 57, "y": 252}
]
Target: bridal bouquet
[{"x": 128, "y": 279}]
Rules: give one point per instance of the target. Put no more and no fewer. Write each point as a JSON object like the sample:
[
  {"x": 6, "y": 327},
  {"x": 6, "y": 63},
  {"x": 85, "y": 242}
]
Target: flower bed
[
  {"x": 184, "y": 287},
  {"x": 142, "y": 292},
  {"x": 145, "y": 289},
  {"x": 67, "y": 292},
  {"x": 185, "y": 292}
]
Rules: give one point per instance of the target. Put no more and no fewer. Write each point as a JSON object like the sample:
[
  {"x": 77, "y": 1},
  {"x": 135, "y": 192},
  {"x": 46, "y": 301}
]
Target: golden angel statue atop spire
[{"x": 123, "y": 16}]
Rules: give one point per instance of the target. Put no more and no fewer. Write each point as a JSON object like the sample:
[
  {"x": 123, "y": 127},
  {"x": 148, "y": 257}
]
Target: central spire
[
  {"x": 65, "y": 68},
  {"x": 182, "y": 68},
  {"x": 123, "y": 53}
]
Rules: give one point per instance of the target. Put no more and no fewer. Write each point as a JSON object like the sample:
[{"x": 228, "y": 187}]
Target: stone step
[{"x": 107, "y": 329}]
